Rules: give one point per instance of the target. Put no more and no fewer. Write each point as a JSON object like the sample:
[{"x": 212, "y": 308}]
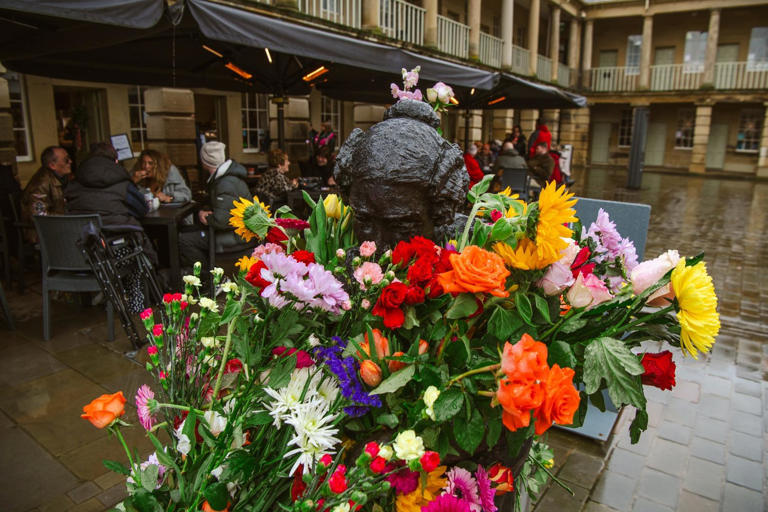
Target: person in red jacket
[
  {"x": 473, "y": 168},
  {"x": 541, "y": 134}
]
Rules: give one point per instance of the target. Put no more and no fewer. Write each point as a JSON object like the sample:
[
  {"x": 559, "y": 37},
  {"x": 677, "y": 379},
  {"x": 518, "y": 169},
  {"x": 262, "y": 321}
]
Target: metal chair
[
  {"x": 517, "y": 180},
  {"x": 64, "y": 267},
  {"x": 230, "y": 251}
]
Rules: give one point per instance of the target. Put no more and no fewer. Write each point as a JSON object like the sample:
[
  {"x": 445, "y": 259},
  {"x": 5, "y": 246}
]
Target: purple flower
[
  {"x": 485, "y": 491},
  {"x": 609, "y": 245},
  {"x": 462, "y": 485},
  {"x": 331, "y": 292},
  {"x": 446, "y": 503},
  {"x": 345, "y": 371}
]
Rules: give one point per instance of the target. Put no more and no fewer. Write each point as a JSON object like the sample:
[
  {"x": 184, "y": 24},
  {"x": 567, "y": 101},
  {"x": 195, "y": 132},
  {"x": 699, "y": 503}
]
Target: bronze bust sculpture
[{"x": 401, "y": 177}]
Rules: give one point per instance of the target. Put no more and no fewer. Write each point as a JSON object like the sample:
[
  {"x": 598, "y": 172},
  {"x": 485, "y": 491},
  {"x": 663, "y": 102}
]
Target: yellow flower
[
  {"x": 333, "y": 207},
  {"x": 408, "y": 446},
  {"x": 697, "y": 307},
  {"x": 241, "y": 211},
  {"x": 412, "y": 502},
  {"x": 244, "y": 264}
]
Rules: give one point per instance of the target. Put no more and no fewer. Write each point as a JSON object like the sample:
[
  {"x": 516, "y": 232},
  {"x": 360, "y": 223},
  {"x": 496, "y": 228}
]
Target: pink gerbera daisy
[
  {"x": 462, "y": 485},
  {"x": 446, "y": 503},
  {"x": 485, "y": 490},
  {"x": 145, "y": 403}
]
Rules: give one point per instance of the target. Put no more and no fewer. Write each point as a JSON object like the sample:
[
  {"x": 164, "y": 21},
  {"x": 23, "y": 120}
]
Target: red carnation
[
  {"x": 659, "y": 370},
  {"x": 379, "y": 465},
  {"x": 234, "y": 365},
  {"x": 403, "y": 253},
  {"x": 444, "y": 263},
  {"x": 338, "y": 482},
  {"x": 296, "y": 224},
  {"x": 393, "y": 295},
  {"x": 303, "y": 256},
  {"x": 430, "y": 461},
  {"x": 167, "y": 298},
  {"x": 298, "y": 487},
  {"x": 372, "y": 449},
  {"x": 393, "y": 317},
  {"x": 421, "y": 270},
  {"x": 326, "y": 460},
  {"x": 254, "y": 275},
  {"x": 276, "y": 236},
  {"x": 415, "y": 295},
  {"x": 177, "y": 297}
]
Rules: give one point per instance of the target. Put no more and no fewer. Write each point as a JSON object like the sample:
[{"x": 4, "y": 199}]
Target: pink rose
[
  {"x": 558, "y": 278},
  {"x": 368, "y": 273},
  {"x": 588, "y": 291},
  {"x": 568, "y": 254},
  {"x": 367, "y": 249},
  {"x": 365, "y": 303},
  {"x": 648, "y": 273}
]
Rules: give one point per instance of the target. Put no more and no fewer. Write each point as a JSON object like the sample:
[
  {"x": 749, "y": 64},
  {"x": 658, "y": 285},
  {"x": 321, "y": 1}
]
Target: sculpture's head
[{"x": 401, "y": 177}]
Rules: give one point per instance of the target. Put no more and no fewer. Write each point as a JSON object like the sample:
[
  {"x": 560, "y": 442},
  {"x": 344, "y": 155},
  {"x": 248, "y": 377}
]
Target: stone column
[
  {"x": 430, "y": 23},
  {"x": 473, "y": 17},
  {"x": 507, "y": 32},
  {"x": 7, "y": 148},
  {"x": 552, "y": 117},
  {"x": 528, "y": 119},
  {"x": 171, "y": 125},
  {"x": 762, "y": 159},
  {"x": 503, "y": 121},
  {"x": 644, "y": 80},
  {"x": 534, "y": 20},
  {"x": 554, "y": 42},
  {"x": 711, "y": 55},
  {"x": 372, "y": 15},
  {"x": 574, "y": 45},
  {"x": 586, "y": 59},
  {"x": 700, "y": 138},
  {"x": 574, "y": 130}
]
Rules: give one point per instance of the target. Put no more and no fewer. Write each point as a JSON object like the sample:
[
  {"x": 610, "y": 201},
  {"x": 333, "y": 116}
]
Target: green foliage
[
  {"x": 469, "y": 435},
  {"x": 503, "y": 323},
  {"x": 463, "y": 306},
  {"x": 395, "y": 381},
  {"x": 638, "y": 426},
  {"x": 448, "y": 404},
  {"x": 610, "y": 360}
]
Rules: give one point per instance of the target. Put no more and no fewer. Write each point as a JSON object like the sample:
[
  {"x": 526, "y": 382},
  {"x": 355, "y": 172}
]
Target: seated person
[
  {"x": 44, "y": 194},
  {"x": 274, "y": 183},
  {"x": 473, "y": 168},
  {"x": 225, "y": 185},
  {"x": 541, "y": 165},
  {"x": 508, "y": 158},
  {"x": 321, "y": 166},
  {"x": 154, "y": 170}
]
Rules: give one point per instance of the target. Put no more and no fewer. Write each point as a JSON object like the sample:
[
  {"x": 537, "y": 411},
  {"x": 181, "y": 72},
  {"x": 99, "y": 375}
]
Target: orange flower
[
  {"x": 104, "y": 410},
  {"x": 423, "y": 346},
  {"x": 476, "y": 270},
  {"x": 526, "y": 360},
  {"x": 561, "y": 400},
  {"x": 370, "y": 372},
  {"x": 208, "y": 508},
  {"x": 503, "y": 478},
  {"x": 396, "y": 365},
  {"x": 379, "y": 341},
  {"x": 518, "y": 400}
]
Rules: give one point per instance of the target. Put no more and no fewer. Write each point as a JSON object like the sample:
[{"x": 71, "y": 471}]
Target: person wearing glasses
[{"x": 44, "y": 194}]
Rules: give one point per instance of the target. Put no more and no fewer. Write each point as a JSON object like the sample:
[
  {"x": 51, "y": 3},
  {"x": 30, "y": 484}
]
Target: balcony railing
[
  {"x": 544, "y": 68},
  {"x": 675, "y": 77},
  {"x": 452, "y": 37},
  {"x": 345, "y": 12},
  {"x": 520, "y": 60},
  {"x": 403, "y": 21},
  {"x": 740, "y": 75},
  {"x": 563, "y": 74},
  {"x": 490, "y": 50},
  {"x": 614, "y": 79}
]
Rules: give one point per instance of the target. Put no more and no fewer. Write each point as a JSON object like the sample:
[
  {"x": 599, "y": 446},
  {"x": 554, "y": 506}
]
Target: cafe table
[{"x": 170, "y": 216}]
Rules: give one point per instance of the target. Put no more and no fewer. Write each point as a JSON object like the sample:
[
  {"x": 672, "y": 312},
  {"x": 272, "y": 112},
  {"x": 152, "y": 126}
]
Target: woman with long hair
[{"x": 155, "y": 171}]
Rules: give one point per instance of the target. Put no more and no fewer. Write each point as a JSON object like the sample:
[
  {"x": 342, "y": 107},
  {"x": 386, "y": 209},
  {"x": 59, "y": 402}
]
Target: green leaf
[
  {"x": 308, "y": 199},
  {"x": 389, "y": 420},
  {"x": 149, "y": 477},
  {"x": 145, "y": 502},
  {"x": 280, "y": 375},
  {"x": 502, "y": 229},
  {"x": 494, "y": 431},
  {"x": 611, "y": 360},
  {"x": 463, "y": 306},
  {"x": 189, "y": 428},
  {"x": 411, "y": 320},
  {"x": 116, "y": 467},
  {"x": 598, "y": 400},
  {"x": 638, "y": 425},
  {"x": 256, "y": 419},
  {"x": 162, "y": 457},
  {"x": 469, "y": 435},
  {"x": 395, "y": 381},
  {"x": 456, "y": 354},
  {"x": 543, "y": 306},
  {"x": 259, "y": 223},
  {"x": 581, "y": 412},
  {"x": 524, "y": 307},
  {"x": 503, "y": 323},
  {"x": 573, "y": 325},
  {"x": 217, "y": 495},
  {"x": 448, "y": 404},
  {"x": 516, "y": 439},
  {"x": 231, "y": 310},
  {"x": 561, "y": 353},
  {"x": 480, "y": 188}
]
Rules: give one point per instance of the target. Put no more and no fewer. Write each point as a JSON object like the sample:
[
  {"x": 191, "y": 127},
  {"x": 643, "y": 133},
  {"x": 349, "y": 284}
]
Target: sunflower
[
  {"x": 697, "y": 307},
  {"x": 524, "y": 256},
  {"x": 245, "y": 263},
  {"x": 244, "y": 210},
  {"x": 555, "y": 210},
  {"x": 413, "y": 501}
]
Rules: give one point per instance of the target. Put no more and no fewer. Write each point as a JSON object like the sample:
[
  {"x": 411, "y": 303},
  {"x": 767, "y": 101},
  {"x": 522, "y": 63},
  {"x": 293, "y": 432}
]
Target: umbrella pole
[
  {"x": 281, "y": 125},
  {"x": 466, "y": 130}
]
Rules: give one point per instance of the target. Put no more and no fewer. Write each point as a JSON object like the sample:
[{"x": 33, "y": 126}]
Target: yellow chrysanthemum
[
  {"x": 245, "y": 263},
  {"x": 413, "y": 501},
  {"x": 238, "y": 213},
  {"x": 697, "y": 312}
]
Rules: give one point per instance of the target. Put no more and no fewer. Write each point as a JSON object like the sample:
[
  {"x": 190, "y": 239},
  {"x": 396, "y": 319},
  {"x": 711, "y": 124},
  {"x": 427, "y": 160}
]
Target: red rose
[
  {"x": 444, "y": 263},
  {"x": 233, "y": 366},
  {"x": 434, "y": 288},
  {"x": 276, "y": 236},
  {"x": 430, "y": 461},
  {"x": 254, "y": 275},
  {"x": 393, "y": 295},
  {"x": 415, "y": 295},
  {"x": 403, "y": 253},
  {"x": 393, "y": 317},
  {"x": 580, "y": 265},
  {"x": 421, "y": 271},
  {"x": 378, "y": 465},
  {"x": 424, "y": 247},
  {"x": 304, "y": 256},
  {"x": 659, "y": 370}
]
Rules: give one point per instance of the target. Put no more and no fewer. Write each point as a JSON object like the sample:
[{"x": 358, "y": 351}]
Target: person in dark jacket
[
  {"x": 510, "y": 159},
  {"x": 44, "y": 194},
  {"x": 541, "y": 165},
  {"x": 226, "y": 184},
  {"x": 320, "y": 166},
  {"x": 518, "y": 140}
]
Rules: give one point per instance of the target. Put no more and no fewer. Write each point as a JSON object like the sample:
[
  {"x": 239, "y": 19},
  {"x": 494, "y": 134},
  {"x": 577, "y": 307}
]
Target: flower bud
[
  {"x": 390, "y": 275},
  {"x": 396, "y": 365},
  {"x": 423, "y": 347},
  {"x": 370, "y": 372},
  {"x": 197, "y": 267},
  {"x": 356, "y": 261},
  {"x": 340, "y": 254},
  {"x": 360, "y": 498}
]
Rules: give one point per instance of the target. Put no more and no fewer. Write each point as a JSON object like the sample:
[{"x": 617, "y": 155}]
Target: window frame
[
  {"x": 699, "y": 51},
  {"x": 142, "y": 128},
  {"x": 682, "y": 115},
  {"x": 630, "y": 70},
  {"x": 625, "y": 131},
  {"x": 332, "y": 115},
  {"x": 246, "y": 128},
  {"x": 758, "y": 117},
  {"x": 752, "y": 64},
  {"x": 30, "y": 156}
]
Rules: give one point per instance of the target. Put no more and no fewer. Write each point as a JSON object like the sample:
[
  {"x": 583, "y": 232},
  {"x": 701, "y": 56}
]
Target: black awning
[
  {"x": 121, "y": 13},
  {"x": 513, "y": 91}
]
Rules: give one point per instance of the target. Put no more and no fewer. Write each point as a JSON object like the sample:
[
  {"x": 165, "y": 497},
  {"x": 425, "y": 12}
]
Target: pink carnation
[
  {"x": 367, "y": 249},
  {"x": 147, "y": 313},
  {"x": 157, "y": 330},
  {"x": 267, "y": 248},
  {"x": 152, "y": 350},
  {"x": 368, "y": 273}
]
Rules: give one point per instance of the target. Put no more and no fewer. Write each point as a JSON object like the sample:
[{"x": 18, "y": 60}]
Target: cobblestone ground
[{"x": 705, "y": 449}]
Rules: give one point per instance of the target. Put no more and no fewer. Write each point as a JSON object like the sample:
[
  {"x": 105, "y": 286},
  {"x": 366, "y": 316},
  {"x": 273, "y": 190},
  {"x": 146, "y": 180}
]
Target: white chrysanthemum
[
  {"x": 217, "y": 271},
  {"x": 289, "y": 397},
  {"x": 209, "y": 341},
  {"x": 315, "y": 433},
  {"x": 230, "y": 287},
  {"x": 327, "y": 391}
]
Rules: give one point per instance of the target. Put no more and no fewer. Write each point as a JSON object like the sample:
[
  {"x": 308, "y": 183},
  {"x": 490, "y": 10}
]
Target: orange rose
[
  {"x": 561, "y": 400},
  {"x": 476, "y": 270},
  {"x": 518, "y": 399},
  {"x": 208, "y": 508},
  {"x": 380, "y": 342},
  {"x": 370, "y": 372},
  {"x": 396, "y": 365},
  {"x": 104, "y": 410},
  {"x": 525, "y": 360}
]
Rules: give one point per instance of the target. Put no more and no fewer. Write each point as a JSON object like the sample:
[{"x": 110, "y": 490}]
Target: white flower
[
  {"x": 430, "y": 395},
  {"x": 210, "y": 360},
  {"x": 344, "y": 507},
  {"x": 385, "y": 452},
  {"x": 182, "y": 445},
  {"x": 315, "y": 434},
  {"x": 216, "y": 472},
  {"x": 190, "y": 299},
  {"x": 230, "y": 287},
  {"x": 340, "y": 253},
  {"x": 209, "y": 304},
  {"x": 217, "y": 271},
  {"x": 408, "y": 446},
  {"x": 287, "y": 398},
  {"x": 197, "y": 267},
  {"x": 313, "y": 340},
  {"x": 327, "y": 391},
  {"x": 209, "y": 342},
  {"x": 193, "y": 318},
  {"x": 192, "y": 280},
  {"x": 216, "y": 422}
]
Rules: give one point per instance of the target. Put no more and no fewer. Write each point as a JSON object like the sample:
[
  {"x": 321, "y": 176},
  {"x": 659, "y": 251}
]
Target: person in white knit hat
[{"x": 226, "y": 184}]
